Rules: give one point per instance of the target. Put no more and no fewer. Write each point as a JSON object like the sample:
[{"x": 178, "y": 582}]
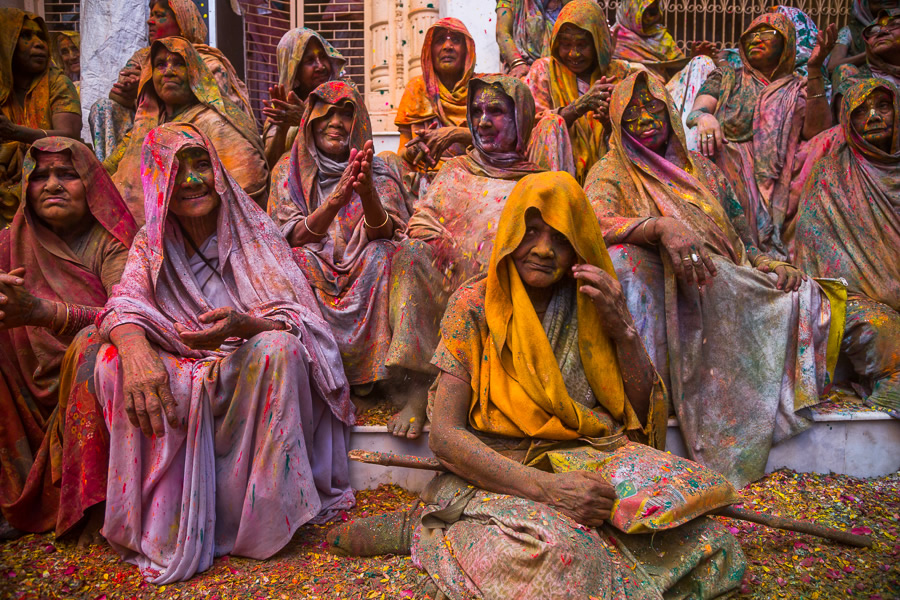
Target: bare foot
[
  {"x": 90, "y": 535},
  {"x": 409, "y": 421}
]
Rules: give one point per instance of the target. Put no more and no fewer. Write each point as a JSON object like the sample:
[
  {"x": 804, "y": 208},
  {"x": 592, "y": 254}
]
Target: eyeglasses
[
  {"x": 654, "y": 107},
  {"x": 890, "y": 25},
  {"x": 763, "y": 35}
]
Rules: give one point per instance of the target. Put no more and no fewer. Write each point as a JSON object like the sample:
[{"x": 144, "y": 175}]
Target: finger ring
[
  {"x": 708, "y": 135},
  {"x": 686, "y": 259},
  {"x": 694, "y": 257}
]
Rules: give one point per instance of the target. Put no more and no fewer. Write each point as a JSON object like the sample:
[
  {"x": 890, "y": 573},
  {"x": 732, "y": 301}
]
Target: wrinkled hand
[
  {"x": 363, "y": 182},
  {"x": 227, "y": 323},
  {"x": 430, "y": 143},
  {"x": 704, "y": 49},
  {"x": 343, "y": 191},
  {"x": 711, "y": 136},
  {"x": 825, "y": 41},
  {"x": 519, "y": 71},
  {"x": 683, "y": 245},
  {"x": 283, "y": 108},
  {"x": 609, "y": 300},
  {"x": 789, "y": 278},
  {"x": 146, "y": 385},
  {"x": 584, "y": 496},
  {"x": 126, "y": 87},
  {"x": 596, "y": 99},
  {"x": 17, "y": 305}
]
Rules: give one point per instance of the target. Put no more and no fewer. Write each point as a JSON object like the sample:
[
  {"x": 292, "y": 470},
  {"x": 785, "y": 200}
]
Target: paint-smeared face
[
  {"x": 55, "y": 191},
  {"x": 883, "y": 38},
  {"x": 70, "y": 55},
  {"x": 161, "y": 23},
  {"x": 194, "y": 194},
  {"x": 493, "y": 116},
  {"x": 647, "y": 119},
  {"x": 448, "y": 52},
  {"x": 32, "y": 49},
  {"x": 332, "y": 132},
  {"x": 763, "y": 46},
  {"x": 171, "y": 80},
  {"x": 544, "y": 255},
  {"x": 874, "y": 119},
  {"x": 314, "y": 69},
  {"x": 651, "y": 16},
  {"x": 575, "y": 49}
]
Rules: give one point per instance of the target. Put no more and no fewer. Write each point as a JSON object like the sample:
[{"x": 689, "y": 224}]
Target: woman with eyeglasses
[
  {"x": 850, "y": 48},
  {"x": 882, "y": 52},
  {"x": 666, "y": 211},
  {"x": 751, "y": 121}
]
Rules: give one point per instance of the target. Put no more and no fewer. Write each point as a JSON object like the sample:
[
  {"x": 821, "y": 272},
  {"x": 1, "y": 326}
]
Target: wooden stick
[
  {"x": 389, "y": 459},
  {"x": 829, "y": 533}
]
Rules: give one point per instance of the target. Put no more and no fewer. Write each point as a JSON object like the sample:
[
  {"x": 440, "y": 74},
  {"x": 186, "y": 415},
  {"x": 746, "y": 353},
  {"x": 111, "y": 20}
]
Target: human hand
[
  {"x": 228, "y": 323},
  {"x": 8, "y": 129},
  {"x": 597, "y": 96},
  {"x": 584, "y": 496},
  {"x": 519, "y": 71},
  {"x": 711, "y": 136},
  {"x": 704, "y": 49},
  {"x": 689, "y": 259},
  {"x": 284, "y": 108},
  {"x": 363, "y": 183},
  {"x": 606, "y": 293},
  {"x": 789, "y": 277},
  {"x": 126, "y": 87},
  {"x": 433, "y": 141},
  {"x": 146, "y": 385},
  {"x": 825, "y": 41},
  {"x": 17, "y": 305},
  {"x": 343, "y": 191}
]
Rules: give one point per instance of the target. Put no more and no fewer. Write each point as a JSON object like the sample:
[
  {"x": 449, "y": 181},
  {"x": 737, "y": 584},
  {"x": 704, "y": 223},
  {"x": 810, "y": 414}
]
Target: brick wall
[
  {"x": 341, "y": 22},
  {"x": 265, "y": 21},
  {"x": 62, "y": 15}
]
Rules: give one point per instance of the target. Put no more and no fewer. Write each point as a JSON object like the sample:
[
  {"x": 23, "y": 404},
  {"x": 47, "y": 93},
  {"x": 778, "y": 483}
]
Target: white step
[{"x": 861, "y": 443}]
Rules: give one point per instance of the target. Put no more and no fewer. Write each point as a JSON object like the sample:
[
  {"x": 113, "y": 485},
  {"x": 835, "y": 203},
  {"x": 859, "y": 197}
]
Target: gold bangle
[
  {"x": 644, "y": 231},
  {"x": 387, "y": 217},
  {"x": 66, "y": 323},
  {"x": 306, "y": 224},
  {"x": 822, "y": 95}
]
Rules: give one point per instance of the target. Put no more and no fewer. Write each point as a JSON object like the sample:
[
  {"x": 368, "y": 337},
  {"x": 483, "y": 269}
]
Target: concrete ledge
[{"x": 862, "y": 443}]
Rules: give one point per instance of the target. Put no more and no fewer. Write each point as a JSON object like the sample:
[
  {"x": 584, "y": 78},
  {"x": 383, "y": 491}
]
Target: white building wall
[{"x": 480, "y": 18}]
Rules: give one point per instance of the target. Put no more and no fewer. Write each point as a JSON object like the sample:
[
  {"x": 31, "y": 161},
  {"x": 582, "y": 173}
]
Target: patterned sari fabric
[
  {"x": 451, "y": 232},
  {"x": 532, "y": 26},
  {"x": 348, "y": 272},
  {"x": 110, "y": 121},
  {"x": 849, "y": 227},
  {"x": 554, "y": 86},
  {"x": 782, "y": 363},
  {"x": 289, "y": 55},
  {"x": 53, "y": 444},
  {"x": 633, "y": 43},
  {"x": 48, "y": 94},
  {"x": 762, "y": 120},
  {"x": 537, "y": 383},
  {"x": 230, "y": 129},
  {"x": 262, "y": 445}
]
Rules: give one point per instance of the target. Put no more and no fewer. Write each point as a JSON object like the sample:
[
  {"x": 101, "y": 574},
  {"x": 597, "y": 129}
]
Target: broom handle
[{"x": 389, "y": 459}]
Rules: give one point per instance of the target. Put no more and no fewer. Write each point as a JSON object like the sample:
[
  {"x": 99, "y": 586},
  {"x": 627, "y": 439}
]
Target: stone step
[{"x": 853, "y": 441}]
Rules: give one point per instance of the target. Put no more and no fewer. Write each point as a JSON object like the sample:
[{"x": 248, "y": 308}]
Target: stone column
[
  {"x": 422, "y": 15},
  {"x": 110, "y": 33}
]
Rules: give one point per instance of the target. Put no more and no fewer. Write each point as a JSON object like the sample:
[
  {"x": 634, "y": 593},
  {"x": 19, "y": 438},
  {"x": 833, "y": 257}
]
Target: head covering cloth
[
  {"x": 427, "y": 99},
  {"x": 635, "y": 43},
  {"x": 518, "y": 389},
  {"x": 55, "y": 40},
  {"x": 289, "y": 55}
]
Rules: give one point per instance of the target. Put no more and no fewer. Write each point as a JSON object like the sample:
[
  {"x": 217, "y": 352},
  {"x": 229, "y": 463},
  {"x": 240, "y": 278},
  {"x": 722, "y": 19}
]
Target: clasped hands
[{"x": 429, "y": 144}]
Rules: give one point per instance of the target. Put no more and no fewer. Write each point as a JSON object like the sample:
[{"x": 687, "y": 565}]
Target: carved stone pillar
[{"x": 422, "y": 15}]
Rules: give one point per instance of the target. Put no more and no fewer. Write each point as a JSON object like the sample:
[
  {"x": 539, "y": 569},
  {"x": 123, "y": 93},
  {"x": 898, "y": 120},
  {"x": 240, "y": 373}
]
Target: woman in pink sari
[
  {"x": 751, "y": 122},
  {"x": 223, "y": 389}
]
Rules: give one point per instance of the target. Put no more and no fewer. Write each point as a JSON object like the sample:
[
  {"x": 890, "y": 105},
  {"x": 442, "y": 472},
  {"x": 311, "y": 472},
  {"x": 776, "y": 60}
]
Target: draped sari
[
  {"x": 348, "y": 272},
  {"x": 110, "y": 121},
  {"x": 230, "y": 129},
  {"x": 554, "y": 86},
  {"x": 849, "y": 227},
  {"x": 49, "y": 93},
  {"x": 261, "y": 445},
  {"x": 633, "y": 43},
  {"x": 534, "y": 384},
  {"x": 451, "y": 231},
  {"x": 762, "y": 121},
  {"x": 53, "y": 444},
  {"x": 289, "y": 55},
  {"x": 781, "y": 363},
  {"x": 532, "y": 26}
]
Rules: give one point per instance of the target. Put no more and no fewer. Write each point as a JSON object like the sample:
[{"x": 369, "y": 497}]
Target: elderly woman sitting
[
  {"x": 59, "y": 260},
  {"x": 332, "y": 184},
  {"x": 751, "y": 122},
  {"x": 65, "y": 46},
  {"x": 541, "y": 365},
  {"x": 452, "y": 230},
  {"x": 223, "y": 389},
  {"x": 177, "y": 86},
  {"x": 671, "y": 212},
  {"x": 36, "y": 100},
  {"x": 849, "y": 227},
  {"x": 305, "y": 61},
  {"x": 882, "y": 52}
]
